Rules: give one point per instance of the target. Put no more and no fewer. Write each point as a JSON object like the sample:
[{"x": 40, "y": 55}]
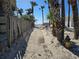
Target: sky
[{"x": 25, "y": 4}]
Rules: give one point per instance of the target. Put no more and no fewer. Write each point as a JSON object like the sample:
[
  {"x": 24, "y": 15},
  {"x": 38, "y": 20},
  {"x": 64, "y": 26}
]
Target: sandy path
[
  {"x": 35, "y": 49},
  {"x": 42, "y": 45}
]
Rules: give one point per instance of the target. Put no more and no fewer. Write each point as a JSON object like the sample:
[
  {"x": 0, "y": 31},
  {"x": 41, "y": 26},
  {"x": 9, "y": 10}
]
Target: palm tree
[
  {"x": 33, "y": 4},
  {"x": 20, "y": 11},
  {"x": 51, "y": 18},
  {"x": 75, "y": 18},
  {"x": 48, "y": 8},
  {"x": 29, "y": 11},
  {"x": 54, "y": 8},
  {"x": 42, "y": 9},
  {"x": 69, "y": 14},
  {"x": 78, "y": 8},
  {"x": 62, "y": 22}
]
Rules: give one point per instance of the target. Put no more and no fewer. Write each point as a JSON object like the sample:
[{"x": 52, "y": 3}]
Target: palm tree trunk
[
  {"x": 69, "y": 16},
  {"x": 42, "y": 17},
  {"x": 78, "y": 9},
  {"x": 54, "y": 23},
  {"x": 49, "y": 10},
  {"x": 76, "y": 21},
  {"x": 53, "y": 28},
  {"x": 63, "y": 22},
  {"x": 32, "y": 10},
  {"x": 55, "y": 12}
]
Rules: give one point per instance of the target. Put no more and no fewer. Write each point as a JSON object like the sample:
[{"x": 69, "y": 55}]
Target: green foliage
[
  {"x": 20, "y": 11},
  {"x": 29, "y": 11},
  {"x": 28, "y": 17},
  {"x": 51, "y": 2},
  {"x": 33, "y": 3},
  {"x": 50, "y": 16}
]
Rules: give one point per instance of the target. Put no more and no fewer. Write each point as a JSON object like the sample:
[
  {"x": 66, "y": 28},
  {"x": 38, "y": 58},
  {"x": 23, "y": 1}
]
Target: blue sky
[{"x": 25, "y": 4}]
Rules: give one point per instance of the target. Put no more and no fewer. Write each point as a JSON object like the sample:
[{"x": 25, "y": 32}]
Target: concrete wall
[
  {"x": 3, "y": 22},
  {"x": 11, "y": 28},
  {"x": 18, "y": 28}
]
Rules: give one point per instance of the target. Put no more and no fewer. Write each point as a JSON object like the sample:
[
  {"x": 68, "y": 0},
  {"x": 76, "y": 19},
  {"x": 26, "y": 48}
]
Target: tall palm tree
[
  {"x": 33, "y": 4},
  {"x": 62, "y": 21},
  {"x": 78, "y": 8},
  {"x": 75, "y": 18},
  {"x": 59, "y": 22},
  {"x": 42, "y": 9},
  {"x": 69, "y": 14},
  {"x": 48, "y": 7},
  {"x": 54, "y": 8},
  {"x": 51, "y": 18}
]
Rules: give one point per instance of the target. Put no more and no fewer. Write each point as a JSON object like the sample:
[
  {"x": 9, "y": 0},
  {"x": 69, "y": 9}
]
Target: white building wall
[{"x": 71, "y": 21}]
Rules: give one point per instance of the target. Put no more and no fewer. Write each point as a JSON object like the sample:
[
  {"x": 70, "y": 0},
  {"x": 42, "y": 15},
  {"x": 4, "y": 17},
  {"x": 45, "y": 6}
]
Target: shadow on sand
[
  {"x": 75, "y": 49},
  {"x": 18, "y": 49}
]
